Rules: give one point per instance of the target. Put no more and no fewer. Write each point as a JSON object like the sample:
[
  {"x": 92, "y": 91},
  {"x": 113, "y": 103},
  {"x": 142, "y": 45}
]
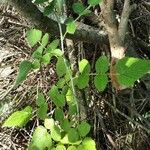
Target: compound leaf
[{"x": 84, "y": 129}]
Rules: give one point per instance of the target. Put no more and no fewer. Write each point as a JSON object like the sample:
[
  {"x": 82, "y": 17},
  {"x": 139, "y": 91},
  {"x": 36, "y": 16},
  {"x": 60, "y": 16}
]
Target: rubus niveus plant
[{"x": 60, "y": 131}]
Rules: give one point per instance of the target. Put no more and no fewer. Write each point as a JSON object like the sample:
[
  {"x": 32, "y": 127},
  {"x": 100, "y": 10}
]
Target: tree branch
[{"x": 38, "y": 20}]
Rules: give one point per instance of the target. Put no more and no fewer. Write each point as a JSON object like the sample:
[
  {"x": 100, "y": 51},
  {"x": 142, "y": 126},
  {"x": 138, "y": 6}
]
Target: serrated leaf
[
  {"x": 65, "y": 125},
  {"x": 84, "y": 66},
  {"x": 40, "y": 99},
  {"x": 24, "y": 68},
  {"x": 57, "y": 52},
  {"x": 45, "y": 39},
  {"x": 41, "y": 139},
  {"x": 55, "y": 133},
  {"x": 102, "y": 65},
  {"x": 37, "y": 54},
  {"x": 46, "y": 58},
  {"x": 49, "y": 123},
  {"x": 130, "y": 69},
  {"x": 53, "y": 45},
  {"x": 83, "y": 81},
  {"x": 73, "y": 135},
  {"x": 94, "y": 2},
  {"x": 33, "y": 36},
  {"x": 36, "y": 64},
  {"x": 72, "y": 109},
  {"x": 19, "y": 118},
  {"x": 71, "y": 148},
  {"x": 88, "y": 144},
  {"x": 61, "y": 67},
  {"x": 71, "y": 27},
  {"x": 84, "y": 129},
  {"x": 78, "y": 8},
  {"x": 56, "y": 97},
  {"x": 59, "y": 114},
  {"x": 101, "y": 81},
  {"x": 60, "y": 147},
  {"x": 42, "y": 111}
]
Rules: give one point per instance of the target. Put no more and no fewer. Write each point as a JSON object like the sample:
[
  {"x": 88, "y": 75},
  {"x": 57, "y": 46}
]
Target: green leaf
[
  {"x": 49, "y": 123},
  {"x": 84, "y": 129},
  {"x": 56, "y": 97},
  {"x": 102, "y": 64},
  {"x": 94, "y": 2},
  {"x": 83, "y": 81},
  {"x": 37, "y": 54},
  {"x": 60, "y": 147},
  {"x": 130, "y": 69},
  {"x": 88, "y": 144},
  {"x": 57, "y": 52},
  {"x": 65, "y": 125},
  {"x": 73, "y": 135},
  {"x": 33, "y": 36},
  {"x": 50, "y": 8},
  {"x": 41, "y": 139},
  {"x": 53, "y": 45},
  {"x": 55, "y": 133},
  {"x": 71, "y": 148},
  {"x": 72, "y": 109},
  {"x": 59, "y": 114},
  {"x": 42, "y": 111},
  {"x": 61, "y": 67},
  {"x": 36, "y": 64},
  {"x": 40, "y": 99},
  {"x": 45, "y": 39},
  {"x": 84, "y": 66},
  {"x": 78, "y": 8},
  {"x": 19, "y": 118},
  {"x": 40, "y": 1},
  {"x": 100, "y": 81},
  {"x": 46, "y": 58},
  {"x": 71, "y": 27},
  {"x": 24, "y": 68}
]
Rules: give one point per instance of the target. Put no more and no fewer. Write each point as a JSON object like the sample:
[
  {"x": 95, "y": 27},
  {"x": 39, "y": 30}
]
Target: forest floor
[{"x": 14, "y": 49}]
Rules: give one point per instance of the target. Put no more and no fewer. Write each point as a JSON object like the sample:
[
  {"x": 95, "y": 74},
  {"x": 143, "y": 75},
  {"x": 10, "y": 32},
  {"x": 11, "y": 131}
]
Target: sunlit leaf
[
  {"x": 94, "y": 2},
  {"x": 130, "y": 69},
  {"x": 49, "y": 123},
  {"x": 84, "y": 66},
  {"x": 33, "y": 36},
  {"x": 19, "y": 118},
  {"x": 71, "y": 27},
  {"x": 41, "y": 139},
  {"x": 55, "y": 133},
  {"x": 45, "y": 39}
]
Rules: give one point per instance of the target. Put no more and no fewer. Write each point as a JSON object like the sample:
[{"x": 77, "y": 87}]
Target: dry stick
[
  {"x": 127, "y": 9},
  {"x": 124, "y": 115}
]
